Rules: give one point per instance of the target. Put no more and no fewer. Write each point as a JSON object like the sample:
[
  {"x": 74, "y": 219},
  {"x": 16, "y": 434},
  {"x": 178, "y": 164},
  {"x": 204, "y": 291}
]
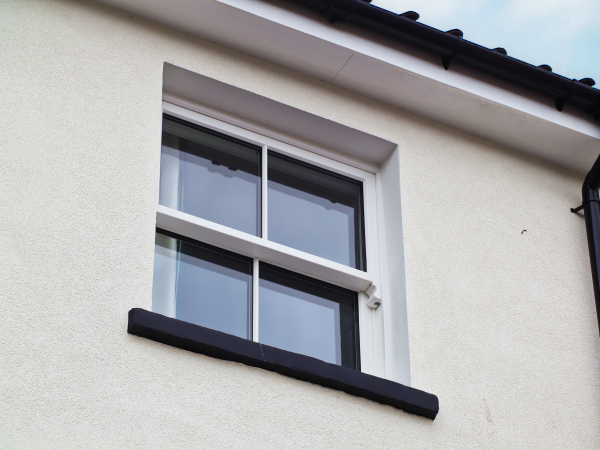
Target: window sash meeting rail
[{"x": 255, "y": 247}]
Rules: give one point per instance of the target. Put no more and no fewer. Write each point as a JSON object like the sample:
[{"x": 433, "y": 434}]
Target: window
[
  {"x": 316, "y": 211},
  {"x": 266, "y": 241}
]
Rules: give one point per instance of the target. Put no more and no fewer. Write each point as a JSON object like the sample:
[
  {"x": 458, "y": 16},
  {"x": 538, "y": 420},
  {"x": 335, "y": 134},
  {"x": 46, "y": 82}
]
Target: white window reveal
[{"x": 266, "y": 241}]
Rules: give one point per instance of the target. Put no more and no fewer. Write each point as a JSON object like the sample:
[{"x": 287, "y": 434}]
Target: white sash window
[{"x": 266, "y": 241}]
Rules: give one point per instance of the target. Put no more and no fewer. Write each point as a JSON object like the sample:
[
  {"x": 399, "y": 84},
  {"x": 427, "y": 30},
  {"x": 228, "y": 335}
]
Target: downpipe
[{"x": 591, "y": 210}]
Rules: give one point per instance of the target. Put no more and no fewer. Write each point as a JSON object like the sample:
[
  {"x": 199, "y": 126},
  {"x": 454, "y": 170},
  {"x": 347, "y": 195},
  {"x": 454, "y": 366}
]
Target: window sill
[{"x": 197, "y": 339}]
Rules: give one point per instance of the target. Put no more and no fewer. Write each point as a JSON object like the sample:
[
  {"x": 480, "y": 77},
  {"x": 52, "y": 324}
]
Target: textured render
[{"x": 502, "y": 323}]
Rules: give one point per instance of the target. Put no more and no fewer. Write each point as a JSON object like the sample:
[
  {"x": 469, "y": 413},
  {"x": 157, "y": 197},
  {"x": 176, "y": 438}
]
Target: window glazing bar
[
  {"x": 255, "y": 300},
  {"x": 246, "y": 244},
  {"x": 264, "y": 192}
]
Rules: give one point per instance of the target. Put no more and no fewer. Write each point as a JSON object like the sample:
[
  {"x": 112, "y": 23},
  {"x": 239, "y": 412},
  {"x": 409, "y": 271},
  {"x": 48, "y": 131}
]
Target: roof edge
[{"x": 451, "y": 47}]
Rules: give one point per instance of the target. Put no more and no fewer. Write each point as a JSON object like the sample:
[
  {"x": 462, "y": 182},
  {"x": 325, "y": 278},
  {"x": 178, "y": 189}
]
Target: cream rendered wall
[{"x": 501, "y": 321}]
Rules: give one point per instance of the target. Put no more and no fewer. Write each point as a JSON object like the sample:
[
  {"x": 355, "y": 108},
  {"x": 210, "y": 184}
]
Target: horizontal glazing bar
[{"x": 255, "y": 247}]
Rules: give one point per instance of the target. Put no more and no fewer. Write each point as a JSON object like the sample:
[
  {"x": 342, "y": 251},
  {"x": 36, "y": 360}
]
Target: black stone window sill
[{"x": 197, "y": 339}]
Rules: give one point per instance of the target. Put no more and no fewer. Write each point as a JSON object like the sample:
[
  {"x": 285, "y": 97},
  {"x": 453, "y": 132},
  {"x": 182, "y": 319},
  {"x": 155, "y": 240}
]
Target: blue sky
[{"x": 563, "y": 34}]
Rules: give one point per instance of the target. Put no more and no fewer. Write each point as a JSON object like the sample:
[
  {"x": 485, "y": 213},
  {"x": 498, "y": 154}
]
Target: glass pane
[
  {"x": 308, "y": 317},
  {"x": 210, "y": 175},
  {"x": 202, "y": 285},
  {"x": 316, "y": 211}
]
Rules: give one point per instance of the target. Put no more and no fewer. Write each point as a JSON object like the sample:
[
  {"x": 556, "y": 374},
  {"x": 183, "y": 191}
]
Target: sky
[{"x": 565, "y": 34}]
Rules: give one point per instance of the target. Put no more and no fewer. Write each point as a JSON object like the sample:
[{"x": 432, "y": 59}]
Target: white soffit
[{"x": 388, "y": 71}]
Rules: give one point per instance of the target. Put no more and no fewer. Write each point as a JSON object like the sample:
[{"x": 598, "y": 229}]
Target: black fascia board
[
  {"x": 558, "y": 88},
  {"x": 197, "y": 339}
]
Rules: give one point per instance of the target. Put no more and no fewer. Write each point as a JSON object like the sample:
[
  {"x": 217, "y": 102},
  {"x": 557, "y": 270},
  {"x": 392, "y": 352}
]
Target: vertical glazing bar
[
  {"x": 255, "y": 279},
  {"x": 264, "y": 230},
  {"x": 264, "y": 206}
]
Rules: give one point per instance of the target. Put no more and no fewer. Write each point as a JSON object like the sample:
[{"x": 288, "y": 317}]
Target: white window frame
[{"x": 367, "y": 284}]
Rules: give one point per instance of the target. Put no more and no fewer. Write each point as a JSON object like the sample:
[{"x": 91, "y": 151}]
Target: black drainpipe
[{"x": 591, "y": 209}]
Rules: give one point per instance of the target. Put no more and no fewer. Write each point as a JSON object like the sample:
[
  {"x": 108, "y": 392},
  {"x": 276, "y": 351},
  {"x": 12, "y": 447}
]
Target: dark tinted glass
[
  {"x": 202, "y": 285},
  {"x": 316, "y": 211},
  {"x": 308, "y": 317},
  {"x": 210, "y": 175}
]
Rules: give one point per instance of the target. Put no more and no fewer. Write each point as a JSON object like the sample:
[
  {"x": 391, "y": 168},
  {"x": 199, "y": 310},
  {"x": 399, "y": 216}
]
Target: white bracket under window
[{"x": 374, "y": 300}]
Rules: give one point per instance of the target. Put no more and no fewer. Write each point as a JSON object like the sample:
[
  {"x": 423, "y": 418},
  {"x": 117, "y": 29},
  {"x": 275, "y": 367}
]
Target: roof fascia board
[
  {"x": 415, "y": 61},
  {"x": 387, "y": 70}
]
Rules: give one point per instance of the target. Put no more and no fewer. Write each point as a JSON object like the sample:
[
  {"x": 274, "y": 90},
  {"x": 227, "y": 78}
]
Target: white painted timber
[{"x": 237, "y": 241}]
